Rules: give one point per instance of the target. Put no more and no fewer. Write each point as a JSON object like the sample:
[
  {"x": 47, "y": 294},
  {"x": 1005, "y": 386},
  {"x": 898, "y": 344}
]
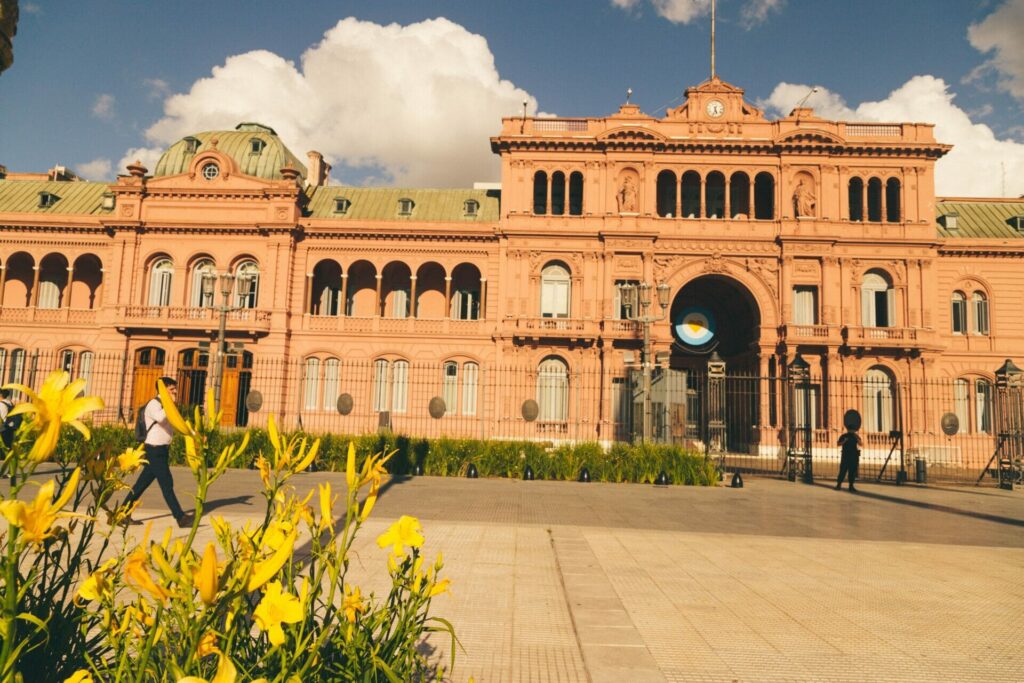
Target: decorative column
[
  {"x": 547, "y": 203},
  {"x": 35, "y": 287},
  {"x": 3, "y": 284},
  {"x": 483, "y": 299},
  {"x": 884, "y": 215},
  {"x": 703, "y": 203},
  {"x": 728, "y": 188},
  {"x": 343, "y": 304},
  {"x": 309, "y": 294},
  {"x": 448, "y": 296},
  {"x": 864, "y": 203},
  {"x": 376, "y": 308},
  {"x": 750, "y": 199},
  {"x": 679, "y": 198},
  {"x": 65, "y": 294},
  {"x": 412, "y": 296}
]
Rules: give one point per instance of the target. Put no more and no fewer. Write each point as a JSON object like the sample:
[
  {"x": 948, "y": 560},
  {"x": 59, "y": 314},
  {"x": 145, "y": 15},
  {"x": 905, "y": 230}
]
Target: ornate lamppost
[
  {"x": 631, "y": 295},
  {"x": 800, "y": 391},
  {"x": 227, "y": 284},
  {"x": 1009, "y": 419}
]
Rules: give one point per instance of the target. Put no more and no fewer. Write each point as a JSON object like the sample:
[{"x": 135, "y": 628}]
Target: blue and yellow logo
[{"x": 695, "y": 326}]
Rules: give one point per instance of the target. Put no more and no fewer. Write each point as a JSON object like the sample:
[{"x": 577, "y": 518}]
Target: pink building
[{"x": 773, "y": 238}]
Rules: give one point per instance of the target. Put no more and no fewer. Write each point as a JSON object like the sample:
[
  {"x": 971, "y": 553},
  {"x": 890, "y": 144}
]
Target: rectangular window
[
  {"x": 983, "y": 406},
  {"x": 555, "y": 299},
  {"x": 961, "y": 404},
  {"x": 85, "y": 370},
  {"x": 380, "y": 385},
  {"x": 400, "y": 389},
  {"x": 331, "y": 372},
  {"x": 980, "y": 315},
  {"x": 450, "y": 387},
  {"x": 400, "y": 305},
  {"x": 465, "y": 304},
  {"x": 67, "y": 362},
  {"x": 311, "y": 384},
  {"x": 469, "y": 382},
  {"x": 805, "y": 408},
  {"x": 805, "y": 305},
  {"x": 959, "y": 314}
]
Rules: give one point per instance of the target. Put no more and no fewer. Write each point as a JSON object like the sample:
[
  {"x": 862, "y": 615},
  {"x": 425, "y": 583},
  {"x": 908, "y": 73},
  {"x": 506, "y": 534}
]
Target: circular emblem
[
  {"x": 436, "y": 407},
  {"x": 851, "y": 419},
  {"x": 211, "y": 171},
  {"x": 714, "y": 108},
  {"x": 253, "y": 401},
  {"x": 530, "y": 410},
  {"x": 950, "y": 424},
  {"x": 345, "y": 404},
  {"x": 695, "y": 326}
]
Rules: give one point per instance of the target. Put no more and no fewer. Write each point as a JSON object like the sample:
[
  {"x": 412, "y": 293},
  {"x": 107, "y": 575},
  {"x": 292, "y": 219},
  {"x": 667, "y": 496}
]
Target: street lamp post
[
  {"x": 641, "y": 292},
  {"x": 227, "y": 284}
]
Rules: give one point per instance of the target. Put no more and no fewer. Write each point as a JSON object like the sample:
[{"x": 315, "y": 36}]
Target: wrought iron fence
[{"x": 749, "y": 423}]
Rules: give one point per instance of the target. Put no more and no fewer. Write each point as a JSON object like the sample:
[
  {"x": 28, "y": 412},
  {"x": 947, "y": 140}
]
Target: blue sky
[{"x": 392, "y": 93}]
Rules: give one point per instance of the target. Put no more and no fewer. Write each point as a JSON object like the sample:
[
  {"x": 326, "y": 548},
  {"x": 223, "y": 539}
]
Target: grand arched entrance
[{"x": 709, "y": 396}]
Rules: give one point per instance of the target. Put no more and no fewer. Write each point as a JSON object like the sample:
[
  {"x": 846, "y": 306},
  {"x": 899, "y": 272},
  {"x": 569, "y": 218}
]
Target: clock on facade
[{"x": 714, "y": 108}]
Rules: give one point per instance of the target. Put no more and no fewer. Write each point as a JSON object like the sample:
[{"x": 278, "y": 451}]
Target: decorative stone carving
[
  {"x": 805, "y": 200},
  {"x": 663, "y": 266},
  {"x": 714, "y": 264},
  {"x": 627, "y": 195}
]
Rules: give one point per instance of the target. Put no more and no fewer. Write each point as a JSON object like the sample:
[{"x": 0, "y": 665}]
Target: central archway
[{"x": 715, "y": 313}]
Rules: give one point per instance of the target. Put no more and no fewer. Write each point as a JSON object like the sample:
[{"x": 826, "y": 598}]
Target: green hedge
[{"x": 451, "y": 457}]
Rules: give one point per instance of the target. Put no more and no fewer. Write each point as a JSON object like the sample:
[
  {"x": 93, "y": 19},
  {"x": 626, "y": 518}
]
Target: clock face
[{"x": 714, "y": 108}]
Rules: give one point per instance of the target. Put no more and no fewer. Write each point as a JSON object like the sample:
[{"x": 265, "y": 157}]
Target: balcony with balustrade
[
  {"x": 905, "y": 338},
  {"x": 50, "y": 316},
  {"x": 425, "y": 327},
  {"x": 573, "y": 329},
  {"x": 247, "y": 320},
  {"x": 811, "y": 335}
]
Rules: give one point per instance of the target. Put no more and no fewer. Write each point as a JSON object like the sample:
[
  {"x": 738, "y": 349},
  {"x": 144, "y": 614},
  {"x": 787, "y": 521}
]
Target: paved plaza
[{"x": 778, "y": 581}]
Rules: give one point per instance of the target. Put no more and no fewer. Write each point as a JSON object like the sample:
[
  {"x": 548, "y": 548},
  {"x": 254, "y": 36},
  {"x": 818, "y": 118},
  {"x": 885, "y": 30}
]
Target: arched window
[
  {"x": 892, "y": 200},
  {"x": 85, "y": 362},
  {"x": 983, "y": 406},
  {"x": 160, "y": 278},
  {"x": 400, "y": 386},
  {"x": 961, "y": 403},
  {"x": 555, "y": 291},
  {"x": 470, "y": 372},
  {"x": 739, "y": 195},
  {"x": 972, "y": 405},
  {"x": 311, "y": 384},
  {"x": 465, "y": 292},
  {"x": 540, "y": 193},
  {"x": 980, "y": 305},
  {"x": 877, "y": 300},
  {"x": 764, "y": 197},
  {"x": 576, "y": 193},
  {"x": 958, "y": 313},
  {"x": 714, "y": 194},
  {"x": 557, "y": 193},
  {"x": 12, "y": 365},
  {"x": 203, "y": 291},
  {"x": 874, "y": 200},
  {"x": 856, "y": 198},
  {"x": 666, "y": 194},
  {"x": 332, "y": 371},
  {"x": 450, "y": 387},
  {"x": 878, "y": 401},
  {"x": 247, "y": 270},
  {"x": 380, "y": 385},
  {"x": 53, "y": 279},
  {"x": 553, "y": 390},
  {"x": 390, "y": 395},
  {"x": 327, "y": 287},
  {"x": 690, "y": 189}
]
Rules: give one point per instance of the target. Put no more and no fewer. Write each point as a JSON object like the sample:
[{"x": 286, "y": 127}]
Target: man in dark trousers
[
  {"x": 157, "y": 446},
  {"x": 850, "y": 459}
]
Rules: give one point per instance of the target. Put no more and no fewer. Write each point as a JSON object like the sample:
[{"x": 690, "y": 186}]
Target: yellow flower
[
  {"x": 326, "y": 507},
  {"x": 206, "y": 575},
  {"x": 440, "y": 587},
  {"x": 226, "y": 673},
  {"x": 191, "y": 457},
  {"x": 80, "y": 676},
  {"x": 131, "y": 459},
  {"x": 404, "y": 532},
  {"x": 371, "y": 500},
  {"x": 353, "y": 604},
  {"x": 350, "y": 466},
  {"x": 277, "y": 608},
  {"x": 36, "y": 518},
  {"x": 98, "y": 585},
  {"x": 267, "y": 569},
  {"x": 137, "y": 574},
  {"x": 264, "y": 467},
  {"x": 208, "y": 645},
  {"x": 56, "y": 403},
  {"x": 173, "y": 416}
]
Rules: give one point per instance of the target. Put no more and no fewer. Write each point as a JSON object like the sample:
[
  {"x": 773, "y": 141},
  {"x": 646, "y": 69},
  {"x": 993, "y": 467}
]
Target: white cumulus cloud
[
  {"x": 147, "y": 156},
  {"x": 97, "y": 169},
  {"x": 412, "y": 105},
  {"x": 979, "y": 160},
  {"x": 103, "y": 107},
  {"x": 1000, "y": 33},
  {"x": 757, "y": 11},
  {"x": 752, "y": 13}
]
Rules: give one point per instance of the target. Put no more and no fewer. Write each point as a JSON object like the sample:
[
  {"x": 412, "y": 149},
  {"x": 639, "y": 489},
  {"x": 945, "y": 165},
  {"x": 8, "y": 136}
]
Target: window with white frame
[
  {"x": 332, "y": 373},
  {"x": 465, "y": 304},
  {"x": 877, "y": 301},
  {"x": 380, "y": 385},
  {"x": 311, "y": 384},
  {"x": 878, "y": 401},
  {"x": 979, "y": 302},
  {"x": 160, "y": 279},
  {"x": 555, "y": 290},
  {"x": 85, "y": 362},
  {"x": 400, "y": 386},
  {"x": 391, "y": 386},
  {"x": 49, "y": 293},
  {"x": 983, "y": 406},
  {"x": 470, "y": 377},
  {"x": 958, "y": 312},
  {"x": 16, "y": 366},
  {"x": 247, "y": 270},
  {"x": 805, "y": 305},
  {"x": 961, "y": 403},
  {"x": 450, "y": 387},
  {"x": 553, "y": 390},
  {"x": 203, "y": 293}
]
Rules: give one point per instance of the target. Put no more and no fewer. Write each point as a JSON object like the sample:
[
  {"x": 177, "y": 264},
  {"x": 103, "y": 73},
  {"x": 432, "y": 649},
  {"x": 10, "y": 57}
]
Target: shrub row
[{"x": 449, "y": 457}]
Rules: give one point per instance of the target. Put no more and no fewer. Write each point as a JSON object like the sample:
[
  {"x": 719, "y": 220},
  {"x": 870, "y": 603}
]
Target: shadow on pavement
[{"x": 212, "y": 505}]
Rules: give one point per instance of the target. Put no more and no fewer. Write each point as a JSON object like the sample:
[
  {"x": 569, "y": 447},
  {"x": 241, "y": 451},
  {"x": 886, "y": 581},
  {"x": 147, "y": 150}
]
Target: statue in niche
[
  {"x": 804, "y": 201},
  {"x": 627, "y": 196}
]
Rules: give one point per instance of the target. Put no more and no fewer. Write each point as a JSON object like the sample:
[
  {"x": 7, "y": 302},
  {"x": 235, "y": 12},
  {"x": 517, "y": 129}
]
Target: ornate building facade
[{"x": 773, "y": 238}]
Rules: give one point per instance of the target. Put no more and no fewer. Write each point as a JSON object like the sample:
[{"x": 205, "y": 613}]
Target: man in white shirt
[{"x": 157, "y": 446}]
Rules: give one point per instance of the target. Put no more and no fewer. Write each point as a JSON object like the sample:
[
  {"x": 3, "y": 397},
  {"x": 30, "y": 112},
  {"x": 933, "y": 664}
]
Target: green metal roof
[
  {"x": 980, "y": 219},
  {"x": 236, "y": 144},
  {"x": 381, "y": 203},
  {"x": 22, "y": 196}
]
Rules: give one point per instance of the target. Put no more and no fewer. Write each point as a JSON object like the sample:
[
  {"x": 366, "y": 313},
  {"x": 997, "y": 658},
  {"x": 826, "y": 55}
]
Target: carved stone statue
[
  {"x": 627, "y": 196},
  {"x": 804, "y": 201}
]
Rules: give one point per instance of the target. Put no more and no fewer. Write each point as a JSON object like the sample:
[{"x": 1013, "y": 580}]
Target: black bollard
[
  {"x": 737, "y": 481},
  {"x": 662, "y": 479},
  {"x": 528, "y": 474},
  {"x": 471, "y": 471},
  {"x": 584, "y": 475}
]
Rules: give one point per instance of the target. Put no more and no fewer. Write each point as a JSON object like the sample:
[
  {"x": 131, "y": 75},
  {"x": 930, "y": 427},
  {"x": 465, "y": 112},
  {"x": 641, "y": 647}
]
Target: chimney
[{"x": 319, "y": 170}]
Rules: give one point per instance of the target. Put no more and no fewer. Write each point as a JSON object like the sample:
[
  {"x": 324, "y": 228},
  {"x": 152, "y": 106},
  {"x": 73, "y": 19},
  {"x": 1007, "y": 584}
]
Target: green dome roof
[{"x": 238, "y": 144}]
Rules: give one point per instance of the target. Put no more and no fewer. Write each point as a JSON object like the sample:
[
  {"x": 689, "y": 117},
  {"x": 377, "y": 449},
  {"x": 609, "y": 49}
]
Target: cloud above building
[
  {"x": 97, "y": 169},
  {"x": 407, "y": 105},
  {"x": 979, "y": 164},
  {"x": 1000, "y": 34},
  {"x": 752, "y": 13},
  {"x": 103, "y": 107}
]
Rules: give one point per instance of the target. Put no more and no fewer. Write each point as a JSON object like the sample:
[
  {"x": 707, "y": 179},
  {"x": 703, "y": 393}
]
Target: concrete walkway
[{"x": 556, "y": 581}]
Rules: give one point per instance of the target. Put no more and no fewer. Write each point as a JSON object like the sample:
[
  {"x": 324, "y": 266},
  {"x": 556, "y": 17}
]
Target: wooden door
[{"x": 149, "y": 367}]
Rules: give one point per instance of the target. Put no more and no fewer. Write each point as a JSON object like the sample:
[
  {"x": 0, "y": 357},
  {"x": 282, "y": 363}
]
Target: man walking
[
  {"x": 850, "y": 458},
  {"x": 157, "y": 442}
]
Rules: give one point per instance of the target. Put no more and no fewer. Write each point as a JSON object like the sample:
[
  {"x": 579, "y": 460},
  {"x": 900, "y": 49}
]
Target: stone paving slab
[{"x": 778, "y": 581}]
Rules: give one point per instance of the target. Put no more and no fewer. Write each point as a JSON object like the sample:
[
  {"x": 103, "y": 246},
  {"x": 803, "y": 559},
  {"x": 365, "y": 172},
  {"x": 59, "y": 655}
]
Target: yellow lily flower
[
  {"x": 36, "y": 518},
  {"x": 275, "y": 438},
  {"x": 267, "y": 569},
  {"x": 56, "y": 403},
  {"x": 306, "y": 461},
  {"x": 191, "y": 456},
  {"x": 131, "y": 459},
  {"x": 264, "y": 467},
  {"x": 404, "y": 532},
  {"x": 371, "y": 500},
  {"x": 98, "y": 585},
  {"x": 138, "y": 575},
  {"x": 226, "y": 673},
  {"x": 80, "y": 676},
  {"x": 439, "y": 587},
  {"x": 350, "y": 466},
  {"x": 208, "y": 645},
  {"x": 353, "y": 604},
  {"x": 326, "y": 507},
  {"x": 173, "y": 416},
  {"x": 206, "y": 576},
  {"x": 277, "y": 608}
]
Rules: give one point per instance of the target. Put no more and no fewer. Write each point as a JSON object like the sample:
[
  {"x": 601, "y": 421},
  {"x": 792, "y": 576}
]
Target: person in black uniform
[{"x": 850, "y": 459}]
